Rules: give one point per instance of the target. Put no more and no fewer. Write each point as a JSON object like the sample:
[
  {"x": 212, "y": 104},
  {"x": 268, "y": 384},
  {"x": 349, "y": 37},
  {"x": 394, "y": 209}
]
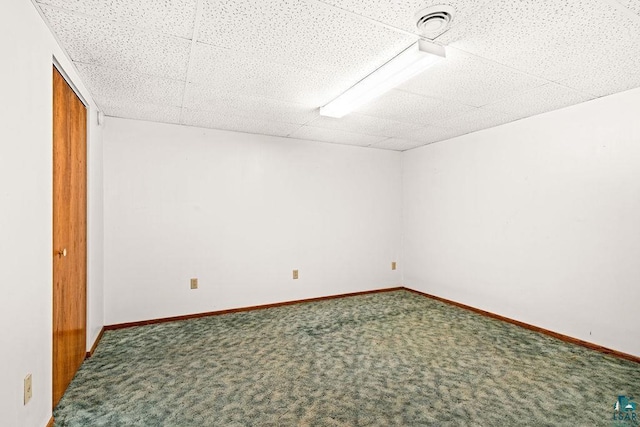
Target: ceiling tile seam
[
  {"x": 386, "y": 138},
  {"x": 226, "y": 130},
  {"x": 378, "y": 135},
  {"x": 454, "y": 24},
  {"x": 263, "y": 58},
  {"x": 590, "y": 95},
  {"x": 158, "y": 76},
  {"x": 109, "y": 21},
  {"x": 266, "y": 98},
  {"x": 493, "y": 61},
  {"x": 348, "y": 131},
  {"x": 149, "y": 103},
  {"x": 243, "y": 117},
  {"x": 366, "y": 18},
  {"x": 408, "y": 123},
  {"x": 424, "y": 125},
  {"x": 143, "y": 120},
  {"x": 314, "y": 119},
  {"x": 196, "y": 27},
  {"x": 434, "y": 97},
  {"x": 488, "y": 106},
  {"x": 296, "y": 130},
  {"x": 622, "y": 8},
  {"x": 64, "y": 51},
  {"x": 327, "y": 142}
]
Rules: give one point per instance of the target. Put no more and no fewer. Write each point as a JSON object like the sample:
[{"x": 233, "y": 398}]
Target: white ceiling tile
[
  {"x": 411, "y": 108},
  {"x": 470, "y": 80},
  {"x": 304, "y": 34},
  {"x": 335, "y": 136},
  {"x": 397, "y": 144},
  {"x": 634, "y": 6},
  {"x": 604, "y": 81},
  {"x": 237, "y": 72},
  {"x": 139, "y": 111},
  {"x": 359, "y": 123},
  {"x": 128, "y": 87},
  {"x": 271, "y": 77},
  {"x": 431, "y": 134},
  {"x": 211, "y": 120},
  {"x": 549, "y": 39},
  {"x": 92, "y": 41},
  {"x": 174, "y": 17},
  {"x": 211, "y": 98},
  {"x": 474, "y": 120},
  {"x": 400, "y": 14},
  {"x": 539, "y": 100}
]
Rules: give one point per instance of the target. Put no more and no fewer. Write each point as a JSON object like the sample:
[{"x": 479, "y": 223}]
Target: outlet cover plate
[{"x": 28, "y": 392}]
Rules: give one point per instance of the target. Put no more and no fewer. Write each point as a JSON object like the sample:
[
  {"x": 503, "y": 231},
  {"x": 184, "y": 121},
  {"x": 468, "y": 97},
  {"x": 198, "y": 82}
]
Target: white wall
[
  {"x": 95, "y": 230},
  {"x": 537, "y": 220},
  {"x": 27, "y": 49},
  {"x": 239, "y": 212}
]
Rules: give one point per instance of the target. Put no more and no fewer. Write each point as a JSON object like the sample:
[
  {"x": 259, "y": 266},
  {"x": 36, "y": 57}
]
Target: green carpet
[{"x": 386, "y": 359}]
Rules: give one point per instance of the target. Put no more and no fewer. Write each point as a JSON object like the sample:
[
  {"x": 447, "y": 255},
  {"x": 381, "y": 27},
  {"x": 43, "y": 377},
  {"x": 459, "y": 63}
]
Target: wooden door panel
[{"x": 69, "y": 235}]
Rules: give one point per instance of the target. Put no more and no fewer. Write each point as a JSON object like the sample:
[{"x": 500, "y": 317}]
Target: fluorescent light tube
[{"x": 412, "y": 61}]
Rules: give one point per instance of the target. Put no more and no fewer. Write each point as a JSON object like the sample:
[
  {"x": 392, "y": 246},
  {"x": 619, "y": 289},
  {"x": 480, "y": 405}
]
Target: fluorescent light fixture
[{"x": 412, "y": 61}]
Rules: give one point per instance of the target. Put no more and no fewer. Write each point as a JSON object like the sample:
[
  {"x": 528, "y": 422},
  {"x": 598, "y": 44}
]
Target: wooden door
[{"x": 69, "y": 234}]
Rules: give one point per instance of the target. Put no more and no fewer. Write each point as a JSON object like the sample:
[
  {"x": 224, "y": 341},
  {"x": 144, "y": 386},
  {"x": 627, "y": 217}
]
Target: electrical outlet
[
  {"x": 194, "y": 283},
  {"x": 393, "y": 265},
  {"x": 295, "y": 274},
  {"x": 27, "y": 389}
]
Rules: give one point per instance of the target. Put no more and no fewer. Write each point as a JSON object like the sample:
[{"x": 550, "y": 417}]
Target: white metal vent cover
[{"x": 434, "y": 20}]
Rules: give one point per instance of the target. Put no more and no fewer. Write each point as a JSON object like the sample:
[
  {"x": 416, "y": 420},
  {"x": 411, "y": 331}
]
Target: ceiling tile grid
[
  {"x": 174, "y": 17},
  {"x": 212, "y": 99},
  {"x": 540, "y": 100},
  {"x": 139, "y": 111},
  {"x": 305, "y": 34},
  {"x": 207, "y": 119},
  {"x": 359, "y": 123},
  {"x": 207, "y": 63},
  {"x": 632, "y": 5},
  {"x": 431, "y": 134},
  {"x": 129, "y": 87},
  {"x": 400, "y": 14},
  {"x": 604, "y": 81},
  {"x": 236, "y": 72},
  {"x": 93, "y": 41},
  {"x": 550, "y": 39},
  {"x": 477, "y": 119},
  {"x": 336, "y": 136},
  {"x": 470, "y": 80},
  {"x": 411, "y": 108},
  {"x": 396, "y": 144}
]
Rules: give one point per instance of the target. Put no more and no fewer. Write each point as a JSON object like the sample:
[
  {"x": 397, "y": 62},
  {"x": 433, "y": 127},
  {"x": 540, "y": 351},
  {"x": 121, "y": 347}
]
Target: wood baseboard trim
[
  {"x": 51, "y": 422},
  {"x": 557, "y": 335},
  {"x": 95, "y": 344},
  {"x": 241, "y": 309}
]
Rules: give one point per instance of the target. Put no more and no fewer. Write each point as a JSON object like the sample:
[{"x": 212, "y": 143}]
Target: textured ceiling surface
[{"x": 266, "y": 66}]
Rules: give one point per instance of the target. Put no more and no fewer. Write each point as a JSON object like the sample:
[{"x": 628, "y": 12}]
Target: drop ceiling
[{"x": 266, "y": 66}]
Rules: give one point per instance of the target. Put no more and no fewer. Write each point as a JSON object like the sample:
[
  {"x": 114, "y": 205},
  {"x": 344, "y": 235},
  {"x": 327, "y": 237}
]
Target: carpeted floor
[{"x": 386, "y": 359}]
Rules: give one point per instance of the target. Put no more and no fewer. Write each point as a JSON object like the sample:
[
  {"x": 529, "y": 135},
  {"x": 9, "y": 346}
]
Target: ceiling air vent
[{"x": 434, "y": 20}]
